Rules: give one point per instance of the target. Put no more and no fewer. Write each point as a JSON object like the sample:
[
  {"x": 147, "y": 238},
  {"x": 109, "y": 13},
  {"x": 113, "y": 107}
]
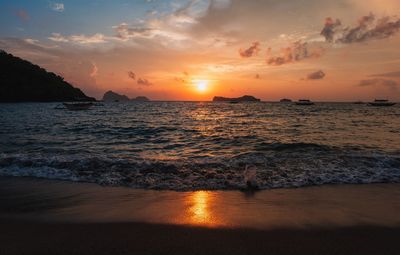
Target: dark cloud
[
  {"x": 132, "y": 75},
  {"x": 297, "y": 52},
  {"x": 318, "y": 75},
  {"x": 379, "y": 82},
  {"x": 144, "y": 82},
  {"x": 390, "y": 74},
  {"x": 329, "y": 29},
  {"x": 252, "y": 51},
  {"x": 368, "y": 28},
  {"x": 258, "y": 77}
]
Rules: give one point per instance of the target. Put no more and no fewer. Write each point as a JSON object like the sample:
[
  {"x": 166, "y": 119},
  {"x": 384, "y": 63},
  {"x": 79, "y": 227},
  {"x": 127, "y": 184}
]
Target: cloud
[
  {"x": 58, "y": 7},
  {"x": 368, "y": 28},
  {"x": 144, "y": 82},
  {"x": 330, "y": 28},
  {"x": 298, "y": 51},
  {"x": 318, "y": 75},
  {"x": 80, "y": 39},
  {"x": 22, "y": 15},
  {"x": 125, "y": 32},
  {"x": 94, "y": 71},
  {"x": 132, "y": 75},
  {"x": 257, "y": 77},
  {"x": 390, "y": 74},
  {"x": 253, "y": 50},
  {"x": 379, "y": 82}
]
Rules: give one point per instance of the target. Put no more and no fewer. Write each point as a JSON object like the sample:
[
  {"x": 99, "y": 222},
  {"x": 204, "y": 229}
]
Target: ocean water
[{"x": 202, "y": 146}]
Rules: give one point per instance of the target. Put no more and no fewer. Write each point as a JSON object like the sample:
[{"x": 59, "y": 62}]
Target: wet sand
[{"x": 52, "y": 217}]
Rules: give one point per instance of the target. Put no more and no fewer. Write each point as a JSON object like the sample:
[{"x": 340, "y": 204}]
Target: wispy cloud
[
  {"x": 80, "y": 39},
  {"x": 298, "y": 51},
  {"x": 251, "y": 51},
  {"x": 379, "y": 82},
  {"x": 58, "y": 7},
  {"x": 318, "y": 75},
  {"x": 132, "y": 75},
  {"x": 144, "y": 82},
  {"x": 94, "y": 71},
  {"x": 390, "y": 74}
]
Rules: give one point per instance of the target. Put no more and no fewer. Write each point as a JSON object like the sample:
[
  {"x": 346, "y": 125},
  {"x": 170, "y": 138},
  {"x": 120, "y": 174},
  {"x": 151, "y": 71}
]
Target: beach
[{"x": 51, "y": 217}]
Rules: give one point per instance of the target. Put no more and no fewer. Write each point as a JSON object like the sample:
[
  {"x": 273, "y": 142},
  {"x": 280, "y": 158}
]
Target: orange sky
[{"x": 196, "y": 49}]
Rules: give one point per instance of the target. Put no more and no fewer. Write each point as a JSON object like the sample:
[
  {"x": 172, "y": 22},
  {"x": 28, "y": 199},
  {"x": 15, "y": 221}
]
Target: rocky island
[
  {"x": 245, "y": 98},
  {"x": 22, "y": 81},
  {"x": 111, "y": 96}
]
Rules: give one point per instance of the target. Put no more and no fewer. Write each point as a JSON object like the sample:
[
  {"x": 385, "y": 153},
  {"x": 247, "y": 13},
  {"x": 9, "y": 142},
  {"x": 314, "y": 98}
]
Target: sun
[{"x": 201, "y": 85}]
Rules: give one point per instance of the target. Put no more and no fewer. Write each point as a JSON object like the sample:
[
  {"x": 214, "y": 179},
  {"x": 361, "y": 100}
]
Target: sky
[{"x": 342, "y": 50}]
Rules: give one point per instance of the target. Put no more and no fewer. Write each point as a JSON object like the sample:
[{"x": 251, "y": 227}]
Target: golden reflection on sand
[{"x": 199, "y": 212}]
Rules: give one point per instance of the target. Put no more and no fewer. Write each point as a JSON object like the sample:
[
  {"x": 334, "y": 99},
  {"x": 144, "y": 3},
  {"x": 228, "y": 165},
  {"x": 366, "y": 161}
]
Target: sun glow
[{"x": 201, "y": 85}]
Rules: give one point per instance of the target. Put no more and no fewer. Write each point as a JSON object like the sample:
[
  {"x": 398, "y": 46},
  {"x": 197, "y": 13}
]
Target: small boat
[
  {"x": 381, "y": 102},
  {"x": 78, "y": 106},
  {"x": 358, "y": 102},
  {"x": 285, "y": 100},
  {"x": 304, "y": 102}
]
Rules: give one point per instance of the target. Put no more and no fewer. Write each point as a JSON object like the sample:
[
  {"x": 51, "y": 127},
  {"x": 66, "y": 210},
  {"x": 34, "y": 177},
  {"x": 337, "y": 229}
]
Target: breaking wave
[{"x": 270, "y": 166}]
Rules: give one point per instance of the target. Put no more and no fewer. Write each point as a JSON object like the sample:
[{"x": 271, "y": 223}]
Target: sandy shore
[
  {"x": 52, "y": 217},
  {"x": 140, "y": 238}
]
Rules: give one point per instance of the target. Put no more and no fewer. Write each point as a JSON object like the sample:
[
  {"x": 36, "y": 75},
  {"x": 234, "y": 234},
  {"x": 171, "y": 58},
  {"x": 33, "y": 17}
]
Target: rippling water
[{"x": 192, "y": 146}]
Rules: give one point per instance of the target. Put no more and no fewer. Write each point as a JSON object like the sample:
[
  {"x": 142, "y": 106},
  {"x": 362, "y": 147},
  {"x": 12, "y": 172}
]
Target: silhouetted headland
[
  {"x": 22, "y": 81},
  {"x": 111, "y": 96},
  {"x": 245, "y": 98},
  {"x": 285, "y": 100}
]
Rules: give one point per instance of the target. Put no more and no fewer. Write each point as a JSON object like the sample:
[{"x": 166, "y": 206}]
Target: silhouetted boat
[
  {"x": 78, "y": 106},
  {"x": 304, "y": 102},
  {"x": 381, "y": 102},
  {"x": 285, "y": 100},
  {"x": 358, "y": 102}
]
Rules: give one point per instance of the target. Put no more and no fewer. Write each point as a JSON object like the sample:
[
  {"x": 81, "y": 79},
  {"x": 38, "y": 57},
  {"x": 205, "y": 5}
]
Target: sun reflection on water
[{"x": 199, "y": 212}]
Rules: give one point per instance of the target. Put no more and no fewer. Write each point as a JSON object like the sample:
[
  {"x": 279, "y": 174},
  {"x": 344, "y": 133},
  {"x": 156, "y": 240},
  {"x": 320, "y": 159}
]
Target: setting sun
[{"x": 201, "y": 85}]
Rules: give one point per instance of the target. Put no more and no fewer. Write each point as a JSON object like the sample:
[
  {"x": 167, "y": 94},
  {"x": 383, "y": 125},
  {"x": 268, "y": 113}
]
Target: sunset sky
[{"x": 342, "y": 50}]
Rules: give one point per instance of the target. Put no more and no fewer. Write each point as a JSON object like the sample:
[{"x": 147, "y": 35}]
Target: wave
[{"x": 275, "y": 165}]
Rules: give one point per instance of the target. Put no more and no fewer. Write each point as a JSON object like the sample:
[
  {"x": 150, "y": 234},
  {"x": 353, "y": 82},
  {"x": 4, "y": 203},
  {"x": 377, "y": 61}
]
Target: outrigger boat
[
  {"x": 304, "y": 102},
  {"x": 381, "y": 102}
]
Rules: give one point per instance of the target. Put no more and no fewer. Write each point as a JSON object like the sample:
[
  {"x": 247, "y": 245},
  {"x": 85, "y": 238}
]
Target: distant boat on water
[
  {"x": 285, "y": 100},
  {"x": 304, "y": 102},
  {"x": 381, "y": 102},
  {"x": 358, "y": 102},
  {"x": 78, "y": 106}
]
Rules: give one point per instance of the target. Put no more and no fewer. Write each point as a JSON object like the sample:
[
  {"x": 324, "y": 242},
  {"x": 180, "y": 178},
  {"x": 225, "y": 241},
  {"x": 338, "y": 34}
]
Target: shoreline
[
  {"x": 26, "y": 198},
  {"x": 40, "y": 216}
]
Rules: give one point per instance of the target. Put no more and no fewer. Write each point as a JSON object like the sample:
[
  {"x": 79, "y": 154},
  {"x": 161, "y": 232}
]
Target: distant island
[
  {"x": 22, "y": 81},
  {"x": 245, "y": 98},
  {"x": 111, "y": 96},
  {"x": 285, "y": 100}
]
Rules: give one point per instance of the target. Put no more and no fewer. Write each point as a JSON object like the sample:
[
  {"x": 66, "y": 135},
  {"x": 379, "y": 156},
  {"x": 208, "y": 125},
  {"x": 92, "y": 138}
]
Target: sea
[{"x": 185, "y": 146}]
